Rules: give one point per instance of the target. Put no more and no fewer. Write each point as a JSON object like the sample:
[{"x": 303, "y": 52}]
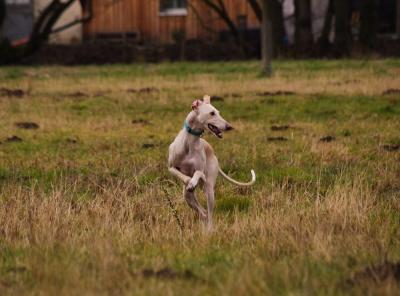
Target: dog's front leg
[
  {"x": 185, "y": 179},
  {"x": 195, "y": 180}
]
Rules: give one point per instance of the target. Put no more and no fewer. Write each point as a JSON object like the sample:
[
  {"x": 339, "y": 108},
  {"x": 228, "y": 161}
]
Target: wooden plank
[
  {"x": 115, "y": 17},
  {"x": 108, "y": 20},
  {"x": 190, "y": 26},
  {"x": 143, "y": 16},
  {"x": 140, "y": 14},
  {"x": 127, "y": 25},
  {"x": 155, "y": 13},
  {"x": 147, "y": 6},
  {"x": 120, "y": 15},
  {"x": 132, "y": 15},
  {"x": 133, "y": 21}
]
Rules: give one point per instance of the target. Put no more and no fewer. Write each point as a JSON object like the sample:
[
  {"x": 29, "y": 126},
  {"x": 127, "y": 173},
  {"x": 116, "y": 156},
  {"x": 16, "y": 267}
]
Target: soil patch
[
  {"x": 148, "y": 145},
  {"x": 351, "y": 81},
  {"x": 77, "y": 94},
  {"x": 168, "y": 273},
  {"x": 378, "y": 273},
  {"x": 27, "y": 125},
  {"x": 279, "y": 127},
  {"x": 7, "y": 92},
  {"x": 391, "y": 147},
  {"x": 141, "y": 121},
  {"x": 327, "y": 139},
  {"x": 391, "y": 91},
  {"x": 71, "y": 141},
  {"x": 145, "y": 90},
  {"x": 276, "y": 93},
  {"x": 13, "y": 139}
]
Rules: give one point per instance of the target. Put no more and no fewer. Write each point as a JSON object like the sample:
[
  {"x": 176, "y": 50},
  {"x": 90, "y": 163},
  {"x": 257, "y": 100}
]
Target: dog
[{"x": 192, "y": 159}]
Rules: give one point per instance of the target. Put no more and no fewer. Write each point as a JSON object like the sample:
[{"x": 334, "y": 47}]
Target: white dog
[{"x": 192, "y": 159}]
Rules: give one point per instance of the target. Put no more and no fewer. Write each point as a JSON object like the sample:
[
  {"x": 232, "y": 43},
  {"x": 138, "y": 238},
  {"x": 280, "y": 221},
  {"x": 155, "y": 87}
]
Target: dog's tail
[{"x": 253, "y": 178}]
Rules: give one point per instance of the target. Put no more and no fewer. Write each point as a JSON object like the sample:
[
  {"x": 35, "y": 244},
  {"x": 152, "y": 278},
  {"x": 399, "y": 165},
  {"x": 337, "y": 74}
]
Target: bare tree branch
[
  {"x": 200, "y": 19},
  {"x": 222, "y": 12},
  {"x": 86, "y": 4},
  {"x": 43, "y": 27},
  {"x": 256, "y": 8},
  {"x": 45, "y": 23}
]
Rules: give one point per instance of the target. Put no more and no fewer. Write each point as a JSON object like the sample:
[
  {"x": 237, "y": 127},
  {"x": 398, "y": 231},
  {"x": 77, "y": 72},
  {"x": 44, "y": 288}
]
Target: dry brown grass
[{"x": 83, "y": 206}]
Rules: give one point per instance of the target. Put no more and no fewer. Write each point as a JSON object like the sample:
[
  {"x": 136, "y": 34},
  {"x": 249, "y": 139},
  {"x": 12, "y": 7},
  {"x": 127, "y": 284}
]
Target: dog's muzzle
[
  {"x": 215, "y": 130},
  {"x": 228, "y": 127}
]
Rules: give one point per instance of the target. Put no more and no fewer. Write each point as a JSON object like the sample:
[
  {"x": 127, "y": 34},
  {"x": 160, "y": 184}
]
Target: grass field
[{"x": 84, "y": 195}]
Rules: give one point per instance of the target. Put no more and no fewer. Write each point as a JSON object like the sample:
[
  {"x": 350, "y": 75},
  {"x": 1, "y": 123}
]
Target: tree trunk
[
  {"x": 277, "y": 21},
  {"x": 278, "y": 25},
  {"x": 327, "y": 28},
  {"x": 266, "y": 39},
  {"x": 303, "y": 34},
  {"x": 369, "y": 22},
  {"x": 398, "y": 18},
  {"x": 342, "y": 27},
  {"x": 2, "y": 13}
]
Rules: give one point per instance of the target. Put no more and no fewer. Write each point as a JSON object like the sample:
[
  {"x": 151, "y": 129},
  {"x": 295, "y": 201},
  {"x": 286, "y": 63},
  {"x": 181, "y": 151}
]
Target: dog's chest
[{"x": 191, "y": 162}]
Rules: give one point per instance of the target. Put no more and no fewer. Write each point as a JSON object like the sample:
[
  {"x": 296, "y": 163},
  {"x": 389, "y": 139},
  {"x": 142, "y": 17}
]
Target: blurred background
[{"x": 123, "y": 31}]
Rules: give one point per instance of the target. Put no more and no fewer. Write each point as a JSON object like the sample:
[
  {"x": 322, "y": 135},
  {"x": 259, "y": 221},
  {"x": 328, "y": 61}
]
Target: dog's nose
[{"x": 228, "y": 127}]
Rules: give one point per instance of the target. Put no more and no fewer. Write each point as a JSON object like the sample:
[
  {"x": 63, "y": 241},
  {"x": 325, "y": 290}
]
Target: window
[
  {"x": 173, "y": 7},
  {"x": 18, "y": 2}
]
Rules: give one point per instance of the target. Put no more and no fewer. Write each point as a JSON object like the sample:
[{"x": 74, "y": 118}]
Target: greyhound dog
[{"x": 192, "y": 159}]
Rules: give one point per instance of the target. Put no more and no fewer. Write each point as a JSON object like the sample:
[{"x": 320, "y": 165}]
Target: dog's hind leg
[
  {"x": 212, "y": 174},
  {"x": 192, "y": 201},
  {"x": 209, "y": 191}
]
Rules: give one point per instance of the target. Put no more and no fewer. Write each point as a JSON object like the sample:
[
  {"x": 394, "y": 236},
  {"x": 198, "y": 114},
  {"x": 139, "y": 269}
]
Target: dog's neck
[
  {"x": 194, "y": 124},
  {"x": 192, "y": 121}
]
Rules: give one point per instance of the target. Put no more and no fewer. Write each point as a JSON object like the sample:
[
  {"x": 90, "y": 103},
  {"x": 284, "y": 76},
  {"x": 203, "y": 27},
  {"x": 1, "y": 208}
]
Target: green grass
[{"x": 83, "y": 199}]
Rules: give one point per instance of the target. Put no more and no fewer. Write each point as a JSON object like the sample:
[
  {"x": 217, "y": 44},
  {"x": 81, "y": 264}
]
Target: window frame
[{"x": 173, "y": 11}]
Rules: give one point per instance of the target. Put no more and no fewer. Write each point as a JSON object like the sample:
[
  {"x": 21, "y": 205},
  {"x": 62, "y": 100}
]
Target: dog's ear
[
  {"x": 207, "y": 99},
  {"x": 196, "y": 104}
]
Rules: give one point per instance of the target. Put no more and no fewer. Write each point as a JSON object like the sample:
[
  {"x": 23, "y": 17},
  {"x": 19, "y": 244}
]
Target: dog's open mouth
[{"x": 216, "y": 131}]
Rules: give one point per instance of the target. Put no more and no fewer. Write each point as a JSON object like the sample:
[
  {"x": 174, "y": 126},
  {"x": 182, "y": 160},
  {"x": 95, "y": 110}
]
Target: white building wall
[{"x": 69, "y": 36}]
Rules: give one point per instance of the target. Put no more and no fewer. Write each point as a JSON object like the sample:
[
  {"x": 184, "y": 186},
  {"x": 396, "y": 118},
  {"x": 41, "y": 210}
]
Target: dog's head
[{"x": 209, "y": 117}]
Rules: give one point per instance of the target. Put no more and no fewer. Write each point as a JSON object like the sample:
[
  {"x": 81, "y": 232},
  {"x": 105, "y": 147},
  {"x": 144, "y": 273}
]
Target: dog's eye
[{"x": 212, "y": 113}]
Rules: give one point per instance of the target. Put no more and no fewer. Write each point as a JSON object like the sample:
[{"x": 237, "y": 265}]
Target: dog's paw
[
  {"x": 191, "y": 186},
  {"x": 187, "y": 180},
  {"x": 203, "y": 216}
]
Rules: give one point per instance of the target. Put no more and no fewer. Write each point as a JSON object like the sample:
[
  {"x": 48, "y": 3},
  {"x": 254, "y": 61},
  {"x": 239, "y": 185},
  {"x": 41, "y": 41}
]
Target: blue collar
[{"x": 194, "y": 132}]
